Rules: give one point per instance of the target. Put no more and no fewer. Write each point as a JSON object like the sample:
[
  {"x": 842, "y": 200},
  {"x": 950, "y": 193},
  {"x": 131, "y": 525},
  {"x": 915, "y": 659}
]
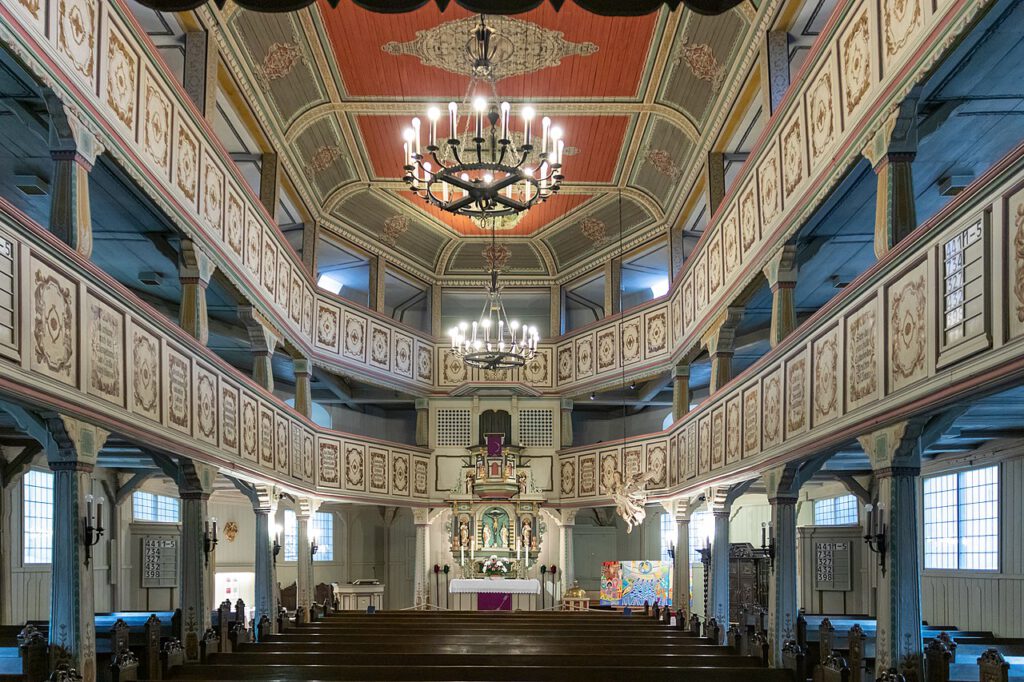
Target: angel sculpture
[{"x": 630, "y": 497}]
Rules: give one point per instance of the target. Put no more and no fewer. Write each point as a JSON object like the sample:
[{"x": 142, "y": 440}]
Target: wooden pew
[
  {"x": 832, "y": 669},
  {"x": 992, "y": 667},
  {"x": 936, "y": 661},
  {"x": 794, "y": 658},
  {"x": 856, "y": 640}
]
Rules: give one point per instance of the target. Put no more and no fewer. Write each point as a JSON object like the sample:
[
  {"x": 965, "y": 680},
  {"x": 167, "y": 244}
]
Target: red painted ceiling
[
  {"x": 614, "y": 71},
  {"x": 536, "y": 218}
]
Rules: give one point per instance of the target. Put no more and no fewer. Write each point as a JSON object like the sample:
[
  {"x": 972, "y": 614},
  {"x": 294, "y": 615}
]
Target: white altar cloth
[{"x": 502, "y": 586}]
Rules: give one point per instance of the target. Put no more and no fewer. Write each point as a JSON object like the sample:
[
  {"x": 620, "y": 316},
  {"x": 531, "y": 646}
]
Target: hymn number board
[
  {"x": 832, "y": 566},
  {"x": 159, "y": 561}
]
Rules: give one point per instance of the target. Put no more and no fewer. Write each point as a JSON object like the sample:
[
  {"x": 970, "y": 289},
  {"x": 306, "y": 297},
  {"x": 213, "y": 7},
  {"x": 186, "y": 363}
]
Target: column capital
[
  {"x": 305, "y": 507},
  {"x": 194, "y": 265},
  {"x": 781, "y": 270},
  {"x": 893, "y": 446},
  {"x": 422, "y": 403},
  {"x": 195, "y": 479},
  {"x": 721, "y": 336},
  {"x": 302, "y": 366},
  {"x": 784, "y": 481},
  {"x": 566, "y": 404},
  {"x": 719, "y": 498},
  {"x": 69, "y": 136},
  {"x": 897, "y": 134},
  {"x": 681, "y": 371},
  {"x": 262, "y": 335},
  {"x": 421, "y": 516},
  {"x": 73, "y": 442},
  {"x": 567, "y": 517},
  {"x": 682, "y": 509}
]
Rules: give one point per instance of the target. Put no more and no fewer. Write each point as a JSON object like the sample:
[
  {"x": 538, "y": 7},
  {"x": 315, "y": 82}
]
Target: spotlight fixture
[{"x": 593, "y": 396}]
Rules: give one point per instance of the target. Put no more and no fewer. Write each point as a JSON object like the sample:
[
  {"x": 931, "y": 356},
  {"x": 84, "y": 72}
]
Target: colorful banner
[{"x": 631, "y": 583}]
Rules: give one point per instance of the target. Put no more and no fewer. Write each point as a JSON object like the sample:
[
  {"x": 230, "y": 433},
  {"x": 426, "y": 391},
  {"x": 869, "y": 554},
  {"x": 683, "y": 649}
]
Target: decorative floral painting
[{"x": 631, "y": 583}]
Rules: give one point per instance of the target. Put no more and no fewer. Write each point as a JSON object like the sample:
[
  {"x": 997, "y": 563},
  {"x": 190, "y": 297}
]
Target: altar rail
[
  {"x": 73, "y": 339},
  {"x": 888, "y": 347},
  {"x": 149, "y": 125}
]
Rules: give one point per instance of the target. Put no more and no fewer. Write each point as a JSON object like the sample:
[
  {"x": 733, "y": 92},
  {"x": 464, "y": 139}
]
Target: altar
[{"x": 503, "y": 594}]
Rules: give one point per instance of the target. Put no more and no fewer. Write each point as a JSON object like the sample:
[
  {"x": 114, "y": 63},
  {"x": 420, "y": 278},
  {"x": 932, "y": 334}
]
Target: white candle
[
  {"x": 433, "y": 113},
  {"x": 416, "y": 131},
  {"x": 545, "y": 125},
  {"x": 506, "y": 109},
  {"x": 453, "y": 120},
  {"x": 528, "y": 115}
]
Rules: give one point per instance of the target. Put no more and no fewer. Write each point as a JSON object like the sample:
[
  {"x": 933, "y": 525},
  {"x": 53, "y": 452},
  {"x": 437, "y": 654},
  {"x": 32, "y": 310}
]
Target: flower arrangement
[{"x": 494, "y": 566}]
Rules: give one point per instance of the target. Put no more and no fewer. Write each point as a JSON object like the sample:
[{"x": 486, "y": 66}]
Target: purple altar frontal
[{"x": 493, "y": 601}]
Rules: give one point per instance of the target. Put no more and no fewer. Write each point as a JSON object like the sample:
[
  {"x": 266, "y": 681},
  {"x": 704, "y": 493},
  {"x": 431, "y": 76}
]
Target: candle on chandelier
[
  {"x": 558, "y": 152},
  {"x": 444, "y": 191},
  {"x": 453, "y": 120},
  {"x": 526, "y": 184},
  {"x": 433, "y": 113},
  {"x": 545, "y": 125},
  {"x": 506, "y": 110},
  {"x": 480, "y": 106},
  {"x": 416, "y": 133},
  {"x": 528, "y": 114}
]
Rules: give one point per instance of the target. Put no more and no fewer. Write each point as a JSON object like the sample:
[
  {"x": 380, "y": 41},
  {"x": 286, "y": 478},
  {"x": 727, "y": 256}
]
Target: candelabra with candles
[
  {"x": 92, "y": 526},
  {"x": 768, "y": 543},
  {"x": 209, "y": 538},
  {"x": 486, "y": 175},
  {"x": 313, "y": 547},
  {"x": 876, "y": 532}
]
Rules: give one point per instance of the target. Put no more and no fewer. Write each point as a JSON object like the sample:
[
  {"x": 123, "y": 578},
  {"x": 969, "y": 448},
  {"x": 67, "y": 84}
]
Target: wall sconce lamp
[
  {"x": 93, "y": 524},
  {"x": 275, "y": 531},
  {"x": 313, "y": 547},
  {"x": 768, "y": 543},
  {"x": 875, "y": 532},
  {"x": 209, "y": 538}
]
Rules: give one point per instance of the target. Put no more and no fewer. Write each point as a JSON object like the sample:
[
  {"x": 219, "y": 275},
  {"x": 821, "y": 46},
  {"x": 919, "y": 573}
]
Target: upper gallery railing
[
  {"x": 99, "y": 60},
  {"x": 938, "y": 320},
  {"x": 74, "y": 340}
]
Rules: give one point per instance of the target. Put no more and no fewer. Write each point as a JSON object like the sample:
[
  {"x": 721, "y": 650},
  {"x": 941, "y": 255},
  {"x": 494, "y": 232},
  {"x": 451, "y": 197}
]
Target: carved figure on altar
[
  {"x": 481, "y": 472},
  {"x": 495, "y": 524},
  {"x": 463, "y": 533},
  {"x": 630, "y": 497},
  {"x": 470, "y": 480},
  {"x": 521, "y": 481},
  {"x": 526, "y": 535}
]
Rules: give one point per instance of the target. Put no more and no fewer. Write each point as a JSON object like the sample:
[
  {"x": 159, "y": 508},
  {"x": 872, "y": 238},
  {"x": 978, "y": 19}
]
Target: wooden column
[
  {"x": 377, "y": 272},
  {"x": 422, "y": 422},
  {"x": 891, "y": 152},
  {"x": 716, "y": 180},
  {"x": 565, "y": 425},
  {"x": 268, "y": 182},
  {"x": 612, "y": 286},
  {"x": 310, "y": 241},
  {"x": 195, "y": 485},
  {"x": 555, "y": 315},
  {"x": 303, "y": 370},
  {"x": 777, "y": 48},
  {"x": 71, "y": 456},
  {"x": 194, "y": 271},
  {"x": 74, "y": 150},
  {"x": 682, "y": 560},
  {"x": 895, "y": 458},
  {"x": 719, "y": 502},
  {"x": 264, "y": 343},
  {"x": 780, "y": 271},
  {"x": 305, "y": 508},
  {"x": 200, "y": 72},
  {"x": 566, "y": 523},
  {"x": 264, "y": 504},
  {"x": 680, "y": 391},
  {"x": 720, "y": 343},
  {"x": 421, "y": 558}
]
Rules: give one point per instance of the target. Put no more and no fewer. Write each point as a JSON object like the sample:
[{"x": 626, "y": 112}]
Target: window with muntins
[
  {"x": 836, "y": 511},
  {"x": 961, "y": 520},
  {"x": 291, "y": 536},
  {"x": 37, "y": 516},
  {"x": 668, "y": 535},
  {"x": 323, "y": 531},
  {"x": 155, "y": 508},
  {"x": 702, "y": 531}
]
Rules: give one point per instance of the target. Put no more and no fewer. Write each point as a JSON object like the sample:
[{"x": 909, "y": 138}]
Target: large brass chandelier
[
  {"x": 488, "y": 170},
  {"x": 494, "y": 341}
]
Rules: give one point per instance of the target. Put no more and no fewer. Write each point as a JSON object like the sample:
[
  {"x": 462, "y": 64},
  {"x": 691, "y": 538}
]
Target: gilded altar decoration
[
  {"x": 53, "y": 325},
  {"x": 280, "y": 60},
  {"x": 595, "y": 230},
  {"x": 231, "y": 530},
  {"x": 394, "y": 227},
  {"x": 663, "y": 162},
  {"x": 324, "y": 157},
  {"x": 630, "y": 497},
  {"x": 524, "y": 47},
  {"x": 702, "y": 63}
]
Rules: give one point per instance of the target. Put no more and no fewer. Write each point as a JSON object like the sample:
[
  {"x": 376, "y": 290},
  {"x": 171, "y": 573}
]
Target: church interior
[{"x": 512, "y": 340}]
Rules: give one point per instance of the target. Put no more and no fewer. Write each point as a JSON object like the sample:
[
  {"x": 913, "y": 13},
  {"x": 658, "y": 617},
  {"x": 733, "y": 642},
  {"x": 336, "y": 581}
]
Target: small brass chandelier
[
  {"x": 488, "y": 174},
  {"x": 494, "y": 342}
]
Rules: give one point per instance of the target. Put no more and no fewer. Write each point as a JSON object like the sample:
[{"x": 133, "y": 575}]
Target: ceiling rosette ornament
[
  {"x": 702, "y": 63},
  {"x": 496, "y": 256},
  {"x": 280, "y": 60},
  {"x": 595, "y": 230},
  {"x": 663, "y": 162},
  {"x": 444, "y": 47},
  {"x": 394, "y": 227},
  {"x": 324, "y": 157}
]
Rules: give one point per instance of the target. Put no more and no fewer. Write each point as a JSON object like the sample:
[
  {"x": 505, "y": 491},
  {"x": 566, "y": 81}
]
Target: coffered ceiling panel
[
  {"x": 325, "y": 157},
  {"x": 661, "y": 163},
  {"x": 596, "y": 227},
  {"x": 468, "y": 259}
]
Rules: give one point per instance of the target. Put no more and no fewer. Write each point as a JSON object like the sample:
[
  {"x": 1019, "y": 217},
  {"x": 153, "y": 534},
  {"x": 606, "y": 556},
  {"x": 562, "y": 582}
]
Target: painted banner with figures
[{"x": 631, "y": 583}]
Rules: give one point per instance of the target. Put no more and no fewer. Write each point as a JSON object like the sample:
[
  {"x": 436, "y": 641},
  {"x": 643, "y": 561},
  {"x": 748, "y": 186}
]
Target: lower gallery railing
[
  {"x": 899, "y": 341},
  {"x": 74, "y": 340}
]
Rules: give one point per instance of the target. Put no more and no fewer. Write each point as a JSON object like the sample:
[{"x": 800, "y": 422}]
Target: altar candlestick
[{"x": 462, "y": 555}]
